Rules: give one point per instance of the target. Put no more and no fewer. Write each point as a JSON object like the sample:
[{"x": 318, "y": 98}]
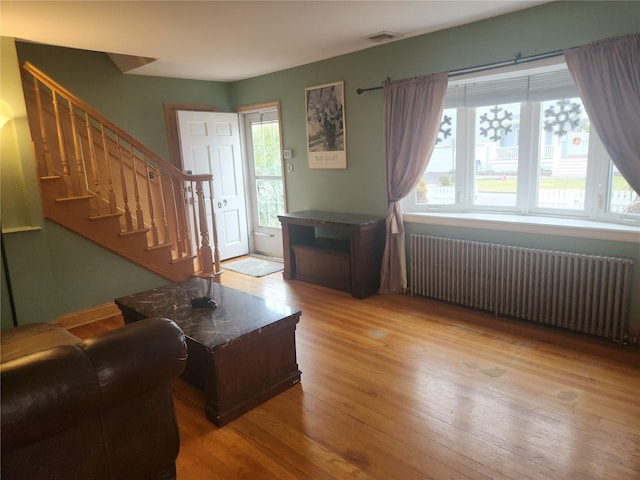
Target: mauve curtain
[
  {"x": 607, "y": 75},
  {"x": 412, "y": 114}
]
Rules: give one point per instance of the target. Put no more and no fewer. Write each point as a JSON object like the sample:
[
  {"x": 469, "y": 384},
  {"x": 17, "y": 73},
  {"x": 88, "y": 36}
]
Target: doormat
[{"x": 256, "y": 267}]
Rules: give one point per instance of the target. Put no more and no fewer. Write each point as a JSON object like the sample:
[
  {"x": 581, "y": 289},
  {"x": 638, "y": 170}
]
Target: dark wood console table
[{"x": 337, "y": 250}]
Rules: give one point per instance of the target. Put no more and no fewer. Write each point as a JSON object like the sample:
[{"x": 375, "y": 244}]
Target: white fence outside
[{"x": 563, "y": 199}]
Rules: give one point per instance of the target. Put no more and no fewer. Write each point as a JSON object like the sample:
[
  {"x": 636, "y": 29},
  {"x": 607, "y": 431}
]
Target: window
[
  {"x": 496, "y": 152},
  {"x": 521, "y": 142},
  {"x": 267, "y": 171},
  {"x": 562, "y": 155}
]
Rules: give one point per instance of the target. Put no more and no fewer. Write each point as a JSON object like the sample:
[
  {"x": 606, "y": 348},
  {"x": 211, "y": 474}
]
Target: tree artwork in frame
[{"x": 326, "y": 136}]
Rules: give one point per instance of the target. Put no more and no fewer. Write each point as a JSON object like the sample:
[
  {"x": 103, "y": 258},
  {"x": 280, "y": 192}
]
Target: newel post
[
  {"x": 206, "y": 259},
  {"x": 214, "y": 229}
]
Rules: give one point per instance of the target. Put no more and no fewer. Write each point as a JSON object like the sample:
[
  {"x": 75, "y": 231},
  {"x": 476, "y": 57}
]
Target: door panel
[
  {"x": 227, "y": 171},
  {"x": 232, "y": 226},
  {"x": 210, "y": 143}
]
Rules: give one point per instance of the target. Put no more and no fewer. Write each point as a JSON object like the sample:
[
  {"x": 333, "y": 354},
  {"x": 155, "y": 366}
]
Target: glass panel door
[{"x": 264, "y": 158}]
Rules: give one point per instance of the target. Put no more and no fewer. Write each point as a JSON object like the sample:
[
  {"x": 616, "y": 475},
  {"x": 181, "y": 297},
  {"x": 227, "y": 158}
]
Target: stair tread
[
  {"x": 134, "y": 232},
  {"x": 108, "y": 215},
  {"x": 159, "y": 246},
  {"x": 76, "y": 198},
  {"x": 184, "y": 259}
]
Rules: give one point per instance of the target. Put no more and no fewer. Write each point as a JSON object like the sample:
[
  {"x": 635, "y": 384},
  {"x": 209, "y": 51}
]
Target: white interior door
[{"x": 210, "y": 143}]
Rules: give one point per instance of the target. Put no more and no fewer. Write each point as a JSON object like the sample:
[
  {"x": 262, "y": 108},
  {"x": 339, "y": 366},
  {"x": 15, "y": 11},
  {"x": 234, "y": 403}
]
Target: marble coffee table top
[{"x": 237, "y": 314}]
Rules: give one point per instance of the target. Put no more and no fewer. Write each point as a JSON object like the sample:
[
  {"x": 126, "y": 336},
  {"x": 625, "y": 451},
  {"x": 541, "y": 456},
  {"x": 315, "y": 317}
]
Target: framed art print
[{"x": 326, "y": 136}]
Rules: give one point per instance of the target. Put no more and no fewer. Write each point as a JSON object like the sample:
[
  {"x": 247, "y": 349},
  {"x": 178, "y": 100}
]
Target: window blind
[{"x": 523, "y": 88}]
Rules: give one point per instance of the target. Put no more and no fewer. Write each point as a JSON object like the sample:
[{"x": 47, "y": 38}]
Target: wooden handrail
[
  {"x": 60, "y": 90},
  {"x": 120, "y": 175}
]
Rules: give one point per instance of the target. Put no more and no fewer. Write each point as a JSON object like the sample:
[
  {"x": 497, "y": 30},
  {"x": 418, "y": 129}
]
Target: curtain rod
[{"x": 517, "y": 59}]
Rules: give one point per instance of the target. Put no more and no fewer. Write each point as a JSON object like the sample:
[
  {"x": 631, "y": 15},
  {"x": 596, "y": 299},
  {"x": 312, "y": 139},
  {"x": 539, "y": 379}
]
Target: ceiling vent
[{"x": 383, "y": 37}]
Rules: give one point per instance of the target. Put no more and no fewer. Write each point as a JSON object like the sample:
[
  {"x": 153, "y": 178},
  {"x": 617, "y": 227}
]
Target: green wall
[
  {"x": 361, "y": 188},
  {"x": 46, "y": 258}
]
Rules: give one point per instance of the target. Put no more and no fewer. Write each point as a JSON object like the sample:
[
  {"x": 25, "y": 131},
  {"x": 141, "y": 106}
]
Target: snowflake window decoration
[
  {"x": 496, "y": 127},
  {"x": 566, "y": 118},
  {"x": 444, "y": 130}
]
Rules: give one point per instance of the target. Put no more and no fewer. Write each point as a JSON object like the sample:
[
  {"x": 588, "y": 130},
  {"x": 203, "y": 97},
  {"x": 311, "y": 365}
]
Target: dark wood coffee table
[{"x": 241, "y": 353}]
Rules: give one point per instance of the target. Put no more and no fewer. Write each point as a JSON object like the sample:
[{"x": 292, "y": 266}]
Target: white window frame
[{"x": 597, "y": 182}]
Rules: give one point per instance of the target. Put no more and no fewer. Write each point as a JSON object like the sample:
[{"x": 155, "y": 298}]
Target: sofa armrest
[
  {"x": 45, "y": 392},
  {"x": 137, "y": 357},
  {"x": 52, "y": 390}
]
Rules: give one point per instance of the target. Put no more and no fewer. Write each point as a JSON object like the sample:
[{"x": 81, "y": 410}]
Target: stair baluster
[
  {"x": 46, "y": 154},
  {"x": 128, "y": 220},
  {"x": 178, "y": 219},
  {"x": 97, "y": 194},
  {"x": 78, "y": 178},
  {"x": 191, "y": 201},
  {"x": 66, "y": 173},
  {"x": 205, "y": 249},
  {"x": 166, "y": 235},
  {"x": 214, "y": 228},
  {"x": 150, "y": 174},
  {"x": 165, "y": 204},
  {"x": 113, "y": 206},
  {"x": 136, "y": 191}
]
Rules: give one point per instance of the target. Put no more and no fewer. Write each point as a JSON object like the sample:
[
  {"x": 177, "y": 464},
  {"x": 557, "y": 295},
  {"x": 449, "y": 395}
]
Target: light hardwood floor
[{"x": 400, "y": 387}]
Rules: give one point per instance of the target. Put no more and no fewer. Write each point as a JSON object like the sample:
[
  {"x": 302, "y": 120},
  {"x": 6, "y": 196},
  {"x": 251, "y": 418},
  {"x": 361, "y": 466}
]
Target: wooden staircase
[{"x": 100, "y": 182}]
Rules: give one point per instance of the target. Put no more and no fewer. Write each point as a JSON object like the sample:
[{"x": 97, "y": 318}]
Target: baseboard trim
[{"x": 89, "y": 315}]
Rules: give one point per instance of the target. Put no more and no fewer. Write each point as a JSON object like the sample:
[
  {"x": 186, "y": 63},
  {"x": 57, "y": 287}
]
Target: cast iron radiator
[{"x": 584, "y": 293}]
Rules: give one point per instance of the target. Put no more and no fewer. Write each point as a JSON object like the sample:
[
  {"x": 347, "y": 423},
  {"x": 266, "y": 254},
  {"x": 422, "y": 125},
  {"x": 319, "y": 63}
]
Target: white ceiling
[{"x": 233, "y": 40}]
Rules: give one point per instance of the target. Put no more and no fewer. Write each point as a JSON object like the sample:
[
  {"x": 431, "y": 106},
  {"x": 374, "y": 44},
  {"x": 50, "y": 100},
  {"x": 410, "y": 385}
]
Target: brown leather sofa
[{"x": 100, "y": 408}]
